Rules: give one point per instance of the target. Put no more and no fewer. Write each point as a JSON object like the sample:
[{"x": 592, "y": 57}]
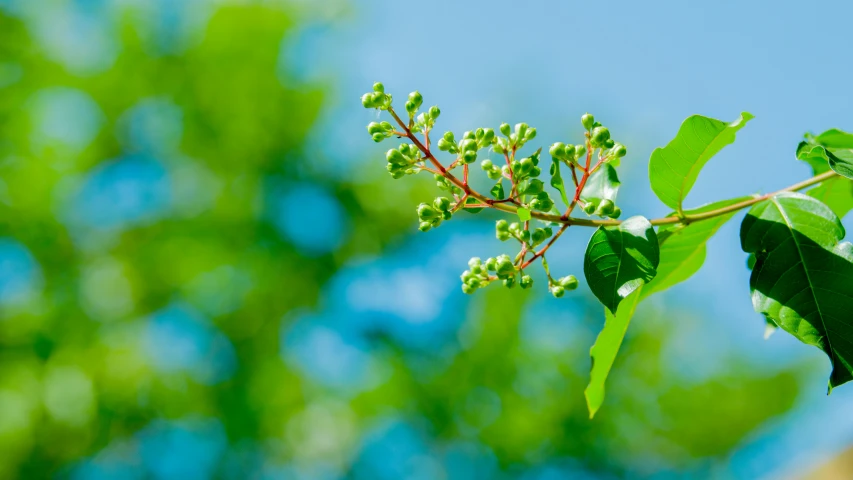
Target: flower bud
[
  {"x": 505, "y": 129},
  {"x": 367, "y": 100},
  {"x": 557, "y": 291},
  {"x": 569, "y": 152},
  {"x": 619, "y": 150},
  {"x": 501, "y": 226},
  {"x": 441, "y": 203},
  {"x": 416, "y": 99},
  {"x": 558, "y": 150},
  {"x": 468, "y": 289},
  {"x": 411, "y": 107},
  {"x": 469, "y": 156},
  {"x": 386, "y": 126},
  {"x": 605, "y": 208},
  {"x": 580, "y": 151},
  {"x": 525, "y": 236},
  {"x": 468, "y": 145},
  {"x": 526, "y": 165},
  {"x": 444, "y": 145},
  {"x": 394, "y": 156},
  {"x": 509, "y": 282},
  {"x": 587, "y": 120},
  {"x": 569, "y": 282},
  {"x": 474, "y": 262},
  {"x": 378, "y": 87},
  {"x": 378, "y": 137},
  {"x": 491, "y": 264},
  {"x": 521, "y": 130},
  {"x": 534, "y": 186},
  {"x": 589, "y": 208},
  {"x": 494, "y": 173},
  {"x": 538, "y": 236},
  {"x": 424, "y": 226},
  {"x": 530, "y": 135},
  {"x": 609, "y": 143},
  {"x": 488, "y": 136},
  {"x": 374, "y": 127},
  {"x": 616, "y": 213},
  {"x": 434, "y": 112},
  {"x": 469, "y": 135},
  {"x": 426, "y": 212},
  {"x": 600, "y": 135},
  {"x": 526, "y": 281}
]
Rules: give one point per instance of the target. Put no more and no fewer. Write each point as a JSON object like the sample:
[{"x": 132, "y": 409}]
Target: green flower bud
[
  {"x": 505, "y": 129},
  {"x": 609, "y": 143},
  {"x": 494, "y": 173},
  {"x": 538, "y": 236},
  {"x": 535, "y": 172},
  {"x": 386, "y": 126},
  {"x": 504, "y": 268},
  {"x": 530, "y": 135},
  {"x": 367, "y": 100},
  {"x": 568, "y": 282},
  {"x": 619, "y": 150},
  {"x": 446, "y": 146},
  {"x": 587, "y": 120},
  {"x": 468, "y": 145},
  {"x": 474, "y": 282},
  {"x": 534, "y": 186},
  {"x": 605, "y": 208},
  {"x": 600, "y": 135},
  {"x": 374, "y": 127},
  {"x": 580, "y": 151},
  {"x": 589, "y": 208},
  {"x": 416, "y": 98},
  {"x": 474, "y": 262},
  {"x": 558, "y": 150},
  {"x": 426, "y": 212},
  {"x": 434, "y": 112},
  {"x": 378, "y": 137},
  {"x": 505, "y": 170},
  {"x": 521, "y": 130},
  {"x": 441, "y": 203},
  {"x": 525, "y": 236},
  {"x": 502, "y": 236},
  {"x": 509, "y": 282},
  {"x": 394, "y": 156},
  {"x": 557, "y": 291},
  {"x": 569, "y": 152},
  {"x": 515, "y": 228},
  {"x": 424, "y": 226},
  {"x": 468, "y": 289},
  {"x": 488, "y": 136},
  {"x": 526, "y": 281},
  {"x": 486, "y": 164},
  {"x": 378, "y": 87},
  {"x": 411, "y": 107},
  {"x": 491, "y": 264},
  {"x": 469, "y": 135},
  {"x": 502, "y": 226},
  {"x": 469, "y": 156},
  {"x": 616, "y": 213}
]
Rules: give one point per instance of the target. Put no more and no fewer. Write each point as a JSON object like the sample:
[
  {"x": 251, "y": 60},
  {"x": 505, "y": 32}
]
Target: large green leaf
[
  {"x": 603, "y": 184},
  {"x": 620, "y": 259},
  {"x": 603, "y": 352},
  {"x": 682, "y": 247},
  {"x": 803, "y": 278},
  {"x": 673, "y": 169}
]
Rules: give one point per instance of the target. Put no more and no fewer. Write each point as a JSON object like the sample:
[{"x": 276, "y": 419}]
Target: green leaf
[
  {"x": 620, "y": 259},
  {"x": 836, "y": 193},
  {"x": 498, "y": 190},
  {"x": 557, "y": 180},
  {"x": 682, "y": 247},
  {"x": 839, "y": 159},
  {"x": 603, "y": 184},
  {"x": 835, "y": 138},
  {"x": 803, "y": 276},
  {"x": 603, "y": 352},
  {"x": 673, "y": 169},
  {"x": 471, "y": 201},
  {"x": 523, "y": 214}
]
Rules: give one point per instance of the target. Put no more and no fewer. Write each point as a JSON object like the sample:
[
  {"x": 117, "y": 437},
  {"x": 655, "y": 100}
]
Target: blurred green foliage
[{"x": 210, "y": 139}]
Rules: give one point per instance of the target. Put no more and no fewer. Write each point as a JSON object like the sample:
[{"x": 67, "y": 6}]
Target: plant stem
[{"x": 588, "y": 222}]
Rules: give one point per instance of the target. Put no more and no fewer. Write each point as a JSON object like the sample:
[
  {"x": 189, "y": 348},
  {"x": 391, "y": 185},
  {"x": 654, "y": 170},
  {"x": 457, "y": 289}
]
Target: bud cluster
[
  {"x": 604, "y": 208},
  {"x": 558, "y": 287},
  {"x": 377, "y": 98},
  {"x": 402, "y": 161},
  {"x": 380, "y": 130},
  {"x": 432, "y": 215},
  {"x": 514, "y": 139}
]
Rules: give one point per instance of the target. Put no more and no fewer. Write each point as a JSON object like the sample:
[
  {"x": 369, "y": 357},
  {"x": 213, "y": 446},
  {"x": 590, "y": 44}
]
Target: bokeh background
[{"x": 206, "y": 272}]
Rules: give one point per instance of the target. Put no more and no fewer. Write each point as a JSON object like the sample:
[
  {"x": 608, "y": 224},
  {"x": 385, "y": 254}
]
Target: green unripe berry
[
  {"x": 605, "y": 208},
  {"x": 378, "y": 137},
  {"x": 587, "y": 120},
  {"x": 619, "y": 150},
  {"x": 505, "y": 129},
  {"x": 378, "y": 87},
  {"x": 557, "y": 291},
  {"x": 600, "y": 135},
  {"x": 557, "y": 150},
  {"x": 569, "y": 282},
  {"x": 616, "y": 213},
  {"x": 589, "y": 208},
  {"x": 434, "y": 112},
  {"x": 526, "y": 281}
]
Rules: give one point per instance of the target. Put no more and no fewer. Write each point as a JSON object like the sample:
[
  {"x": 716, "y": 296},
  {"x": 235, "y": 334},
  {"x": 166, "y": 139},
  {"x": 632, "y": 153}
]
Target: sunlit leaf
[
  {"x": 673, "y": 169},
  {"x": 557, "y": 180},
  {"x": 603, "y": 184}
]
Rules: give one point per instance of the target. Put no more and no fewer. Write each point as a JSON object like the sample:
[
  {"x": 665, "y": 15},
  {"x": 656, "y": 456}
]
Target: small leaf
[
  {"x": 836, "y": 192},
  {"x": 674, "y": 169},
  {"x": 682, "y": 247},
  {"x": 523, "y": 214},
  {"x": 498, "y": 190},
  {"x": 839, "y": 159},
  {"x": 472, "y": 201},
  {"x": 603, "y": 352},
  {"x": 803, "y": 277},
  {"x": 557, "y": 180},
  {"x": 603, "y": 184},
  {"x": 620, "y": 259},
  {"x": 835, "y": 138}
]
